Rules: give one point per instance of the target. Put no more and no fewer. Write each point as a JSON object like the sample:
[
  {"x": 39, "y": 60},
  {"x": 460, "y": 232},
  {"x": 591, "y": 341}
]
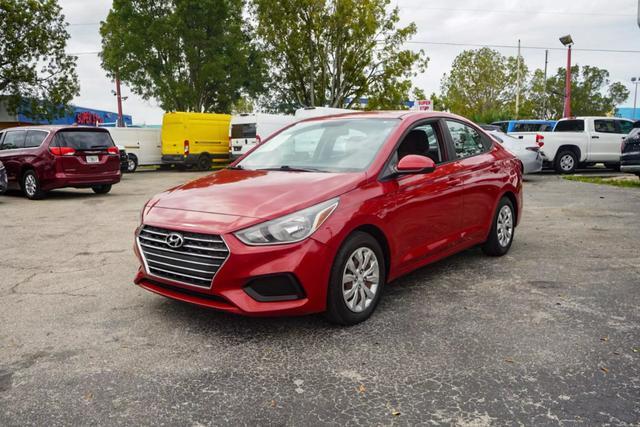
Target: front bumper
[
  {"x": 3, "y": 181},
  {"x": 307, "y": 262},
  {"x": 633, "y": 168},
  {"x": 190, "y": 159}
]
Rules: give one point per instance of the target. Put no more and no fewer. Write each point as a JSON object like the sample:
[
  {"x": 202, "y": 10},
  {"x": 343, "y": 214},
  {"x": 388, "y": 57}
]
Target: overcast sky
[{"x": 594, "y": 24}]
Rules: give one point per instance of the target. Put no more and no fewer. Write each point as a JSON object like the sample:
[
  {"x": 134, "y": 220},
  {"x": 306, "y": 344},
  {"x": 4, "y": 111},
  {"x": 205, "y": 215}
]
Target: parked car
[
  {"x": 143, "y": 145},
  {"x": 3, "y": 179},
  {"x": 508, "y": 126},
  {"x": 323, "y": 214},
  {"x": 42, "y": 158},
  {"x": 124, "y": 159},
  {"x": 630, "y": 158},
  {"x": 195, "y": 139},
  {"x": 247, "y": 130},
  {"x": 528, "y": 154},
  {"x": 582, "y": 141}
]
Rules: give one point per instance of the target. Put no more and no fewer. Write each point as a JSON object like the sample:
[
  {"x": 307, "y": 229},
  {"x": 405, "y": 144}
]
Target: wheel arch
[
  {"x": 568, "y": 147},
  {"x": 514, "y": 201},
  {"x": 380, "y": 237}
]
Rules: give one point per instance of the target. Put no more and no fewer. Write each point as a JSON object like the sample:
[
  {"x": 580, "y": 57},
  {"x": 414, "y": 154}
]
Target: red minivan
[
  {"x": 42, "y": 158},
  {"x": 325, "y": 212}
]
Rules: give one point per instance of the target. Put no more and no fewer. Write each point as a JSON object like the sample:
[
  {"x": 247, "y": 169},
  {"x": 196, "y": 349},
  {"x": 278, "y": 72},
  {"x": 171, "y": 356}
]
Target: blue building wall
[
  {"x": 84, "y": 116},
  {"x": 627, "y": 113}
]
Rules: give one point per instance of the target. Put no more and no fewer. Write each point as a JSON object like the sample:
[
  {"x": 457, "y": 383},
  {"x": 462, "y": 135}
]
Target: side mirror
[{"x": 413, "y": 163}]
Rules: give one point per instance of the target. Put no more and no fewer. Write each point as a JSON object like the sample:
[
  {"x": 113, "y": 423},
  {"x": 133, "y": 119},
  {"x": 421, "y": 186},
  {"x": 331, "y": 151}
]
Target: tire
[
  {"x": 498, "y": 242},
  {"x": 361, "y": 304},
  {"x": 613, "y": 166},
  {"x": 31, "y": 186},
  {"x": 132, "y": 165},
  {"x": 101, "y": 189},
  {"x": 566, "y": 162},
  {"x": 204, "y": 162}
]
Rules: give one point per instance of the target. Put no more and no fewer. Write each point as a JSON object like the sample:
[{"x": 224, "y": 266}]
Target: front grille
[{"x": 194, "y": 263}]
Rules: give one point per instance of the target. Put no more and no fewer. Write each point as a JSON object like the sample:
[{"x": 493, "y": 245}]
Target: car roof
[
  {"x": 53, "y": 128},
  {"x": 391, "y": 114}
]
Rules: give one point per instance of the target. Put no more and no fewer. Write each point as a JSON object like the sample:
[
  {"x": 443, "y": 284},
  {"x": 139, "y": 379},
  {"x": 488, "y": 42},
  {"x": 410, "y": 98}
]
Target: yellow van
[{"x": 195, "y": 139}]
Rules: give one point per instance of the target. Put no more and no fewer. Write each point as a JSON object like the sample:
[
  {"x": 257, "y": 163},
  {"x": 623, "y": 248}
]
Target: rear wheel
[
  {"x": 132, "y": 163},
  {"x": 357, "y": 279},
  {"x": 204, "y": 162},
  {"x": 502, "y": 230},
  {"x": 101, "y": 189},
  {"x": 31, "y": 186},
  {"x": 566, "y": 162}
]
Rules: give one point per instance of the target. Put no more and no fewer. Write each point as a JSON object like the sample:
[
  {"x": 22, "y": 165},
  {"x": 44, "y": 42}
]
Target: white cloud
[{"x": 593, "y": 24}]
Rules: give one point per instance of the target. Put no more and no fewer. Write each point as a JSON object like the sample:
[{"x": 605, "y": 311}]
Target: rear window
[
  {"x": 83, "y": 139},
  {"x": 530, "y": 127},
  {"x": 245, "y": 130},
  {"x": 569, "y": 126}
]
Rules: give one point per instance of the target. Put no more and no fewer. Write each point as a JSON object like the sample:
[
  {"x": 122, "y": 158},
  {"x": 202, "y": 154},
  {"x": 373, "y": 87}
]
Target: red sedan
[{"x": 324, "y": 213}]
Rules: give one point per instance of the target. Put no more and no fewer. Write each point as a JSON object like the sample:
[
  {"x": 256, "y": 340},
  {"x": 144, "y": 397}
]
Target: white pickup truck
[{"x": 581, "y": 141}]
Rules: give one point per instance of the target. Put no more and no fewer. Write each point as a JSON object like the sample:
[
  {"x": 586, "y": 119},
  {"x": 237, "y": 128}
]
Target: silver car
[{"x": 528, "y": 153}]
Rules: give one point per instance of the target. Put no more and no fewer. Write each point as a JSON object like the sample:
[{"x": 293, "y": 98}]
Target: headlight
[{"x": 290, "y": 228}]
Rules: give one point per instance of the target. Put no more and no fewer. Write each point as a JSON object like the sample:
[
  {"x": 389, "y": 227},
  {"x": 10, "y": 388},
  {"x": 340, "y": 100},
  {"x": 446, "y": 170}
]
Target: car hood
[{"x": 256, "y": 194}]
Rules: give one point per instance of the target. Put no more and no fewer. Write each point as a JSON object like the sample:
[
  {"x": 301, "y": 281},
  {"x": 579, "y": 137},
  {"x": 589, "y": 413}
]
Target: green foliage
[
  {"x": 37, "y": 77},
  {"x": 628, "y": 182},
  {"x": 332, "y": 52},
  {"x": 592, "y": 93},
  {"x": 482, "y": 85},
  {"x": 190, "y": 55}
]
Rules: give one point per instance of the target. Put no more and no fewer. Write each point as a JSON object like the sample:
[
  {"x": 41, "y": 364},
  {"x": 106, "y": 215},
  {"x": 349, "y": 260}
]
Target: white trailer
[
  {"x": 249, "y": 129},
  {"x": 143, "y": 145}
]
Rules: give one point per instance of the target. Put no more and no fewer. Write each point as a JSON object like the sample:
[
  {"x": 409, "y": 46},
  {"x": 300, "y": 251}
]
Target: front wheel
[
  {"x": 357, "y": 279},
  {"x": 566, "y": 162},
  {"x": 31, "y": 186},
  {"x": 101, "y": 189},
  {"x": 502, "y": 229}
]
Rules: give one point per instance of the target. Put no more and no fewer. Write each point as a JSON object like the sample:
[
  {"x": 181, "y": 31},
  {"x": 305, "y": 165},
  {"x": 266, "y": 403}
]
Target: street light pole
[
  {"x": 567, "y": 41},
  {"x": 635, "y": 81}
]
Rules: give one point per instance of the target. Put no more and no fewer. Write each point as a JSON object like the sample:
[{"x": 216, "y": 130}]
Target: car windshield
[{"x": 338, "y": 145}]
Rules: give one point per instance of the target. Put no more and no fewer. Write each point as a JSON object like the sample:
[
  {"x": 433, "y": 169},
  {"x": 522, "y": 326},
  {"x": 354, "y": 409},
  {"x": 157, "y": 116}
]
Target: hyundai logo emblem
[{"x": 175, "y": 240}]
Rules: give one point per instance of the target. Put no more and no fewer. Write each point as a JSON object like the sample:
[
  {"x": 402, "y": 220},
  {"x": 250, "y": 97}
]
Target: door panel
[
  {"x": 427, "y": 213},
  {"x": 605, "y": 141},
  {"x": 11, "y": 155}
]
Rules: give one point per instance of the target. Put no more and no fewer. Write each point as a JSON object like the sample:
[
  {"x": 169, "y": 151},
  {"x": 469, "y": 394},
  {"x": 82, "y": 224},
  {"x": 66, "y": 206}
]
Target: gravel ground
[{"x": 547, "y": 335}]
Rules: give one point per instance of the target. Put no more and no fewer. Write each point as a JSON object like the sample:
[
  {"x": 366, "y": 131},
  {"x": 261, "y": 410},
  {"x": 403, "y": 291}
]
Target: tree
[
  {"x": 190, "y": 55},
  {"x": 37, "y": 77},
  {"x": 333, "y": 52},
  {"x": 592, "y": 93},
  {"x": 479, "y": 85}
]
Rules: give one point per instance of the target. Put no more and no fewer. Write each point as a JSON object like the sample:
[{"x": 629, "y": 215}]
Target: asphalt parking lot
[{"x": 547, "y": 335}]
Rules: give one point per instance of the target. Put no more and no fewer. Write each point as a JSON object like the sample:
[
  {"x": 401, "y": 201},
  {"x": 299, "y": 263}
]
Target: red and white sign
[{"x": 424, "y": 105}]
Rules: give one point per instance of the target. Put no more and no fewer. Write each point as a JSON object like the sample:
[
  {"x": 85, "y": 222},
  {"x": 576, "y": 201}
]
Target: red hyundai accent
[{"x": 327, "y": 211}]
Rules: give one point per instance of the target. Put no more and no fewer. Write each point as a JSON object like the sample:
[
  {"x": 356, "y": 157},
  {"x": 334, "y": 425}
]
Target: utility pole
[
  {"x": 568, "y": 42},
  {"x": 119, "y": 97},
  {"x": 518, "y": 82},
  {"x": 544, "y": 99},
  {"x": 635, "y": 81}
]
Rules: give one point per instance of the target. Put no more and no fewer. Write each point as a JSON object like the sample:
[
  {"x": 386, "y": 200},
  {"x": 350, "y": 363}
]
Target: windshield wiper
[{"x": 291, "y": 169}]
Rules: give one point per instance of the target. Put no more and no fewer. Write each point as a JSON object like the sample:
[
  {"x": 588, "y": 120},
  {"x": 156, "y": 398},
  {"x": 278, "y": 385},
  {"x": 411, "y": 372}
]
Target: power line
[
  {"x": 504, "y": 46},
  {"x": 526, "y": 11}
]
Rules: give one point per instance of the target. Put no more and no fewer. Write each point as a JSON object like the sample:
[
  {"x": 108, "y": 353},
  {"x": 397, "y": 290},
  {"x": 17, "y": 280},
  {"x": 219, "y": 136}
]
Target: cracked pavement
[{"x": 547, "y": 335}]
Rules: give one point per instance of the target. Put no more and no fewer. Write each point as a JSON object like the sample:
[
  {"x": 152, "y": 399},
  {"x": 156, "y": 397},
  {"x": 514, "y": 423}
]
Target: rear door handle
[{"x": 595, "y": 137}]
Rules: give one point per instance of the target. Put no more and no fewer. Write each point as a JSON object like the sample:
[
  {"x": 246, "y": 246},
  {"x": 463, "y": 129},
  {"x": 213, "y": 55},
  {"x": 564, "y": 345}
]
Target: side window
[
  {"x": 34, "y": 138},
  {"x": 624, "y": 126},
  {"x": 1, "y": 136},
  {"x": 605, "y": 126},
  {"x": 569, "y": 126},
  {"x": 13, "y": 139},
  {"x": 423, "y": 140},
  {"x": 466, "y": 140}
]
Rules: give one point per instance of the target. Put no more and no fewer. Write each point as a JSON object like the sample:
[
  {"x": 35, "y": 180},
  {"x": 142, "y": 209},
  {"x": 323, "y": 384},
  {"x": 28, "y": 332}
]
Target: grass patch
[{"x": 627, "y": 182}]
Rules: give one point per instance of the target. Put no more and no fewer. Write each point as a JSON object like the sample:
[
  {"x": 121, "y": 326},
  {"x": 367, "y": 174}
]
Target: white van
[
  {"x": 143, "y": 145},
  {"x": 249, "y": 129},
  {"x": 309, "y": 112}
]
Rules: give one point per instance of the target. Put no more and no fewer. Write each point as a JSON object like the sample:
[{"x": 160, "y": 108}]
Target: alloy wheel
[
  {"x": 30, "y": 185},
  {"x": 505, "y": 226},
  {"x": 566, "y": 162},
  {"x": 360, "y": 279},
  {"x": 131, "y": 165}
]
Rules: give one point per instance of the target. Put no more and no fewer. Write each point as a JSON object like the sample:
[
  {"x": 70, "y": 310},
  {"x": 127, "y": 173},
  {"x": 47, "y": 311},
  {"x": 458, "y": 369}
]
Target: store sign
[
  {"x": 424, "y": 105},
  {"x": 88, "y": 118}
]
